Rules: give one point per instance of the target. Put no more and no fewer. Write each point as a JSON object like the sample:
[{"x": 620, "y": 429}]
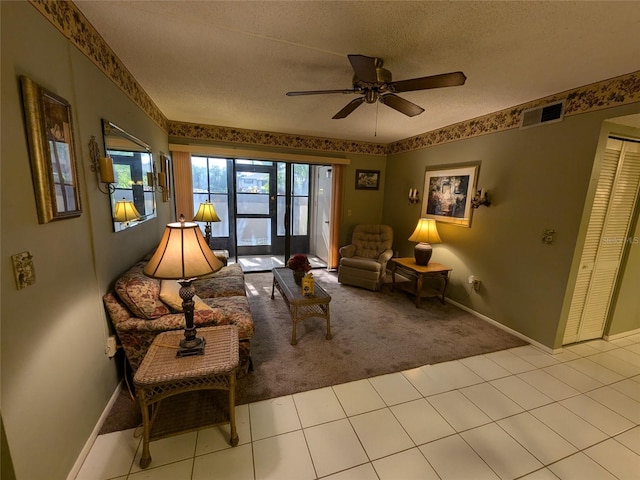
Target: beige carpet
[{"x": 374, "y": 333}]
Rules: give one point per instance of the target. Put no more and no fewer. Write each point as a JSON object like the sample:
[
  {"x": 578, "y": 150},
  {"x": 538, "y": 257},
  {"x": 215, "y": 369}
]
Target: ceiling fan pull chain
[{"x": 375, "y": 131}]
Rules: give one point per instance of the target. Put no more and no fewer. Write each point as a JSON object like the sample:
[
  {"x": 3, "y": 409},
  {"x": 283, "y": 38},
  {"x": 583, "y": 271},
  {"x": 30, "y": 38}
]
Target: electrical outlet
[
  {"x": 476, "y": 284},
  {"x": 111, "y": 346}
]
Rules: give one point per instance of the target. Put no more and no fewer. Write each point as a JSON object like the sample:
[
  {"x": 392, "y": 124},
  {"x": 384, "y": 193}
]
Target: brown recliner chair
[{"x": 364, "y": 261}]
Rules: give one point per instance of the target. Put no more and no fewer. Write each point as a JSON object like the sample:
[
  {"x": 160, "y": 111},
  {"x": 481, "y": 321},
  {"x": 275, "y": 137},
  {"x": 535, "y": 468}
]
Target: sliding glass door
[
  {"x": 255, "y": 186},
  {"x": 264, "y": 206}
]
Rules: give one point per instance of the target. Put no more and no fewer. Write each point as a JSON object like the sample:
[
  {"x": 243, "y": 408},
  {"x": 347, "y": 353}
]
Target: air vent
[{"x": 550, "y": 113}]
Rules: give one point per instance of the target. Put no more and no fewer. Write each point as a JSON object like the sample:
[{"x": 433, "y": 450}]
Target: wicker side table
[{"x": 162, "y": 375}]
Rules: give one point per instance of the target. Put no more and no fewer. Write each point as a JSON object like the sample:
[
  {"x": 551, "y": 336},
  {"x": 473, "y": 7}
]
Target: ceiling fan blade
[
  {"x": 319, "y": 92},
  {"x": 401, "y": 105},
  {"x": 452, "y": 79},
  {"x": 349, "y": 107},
  {"x": 364, "y": 67}
]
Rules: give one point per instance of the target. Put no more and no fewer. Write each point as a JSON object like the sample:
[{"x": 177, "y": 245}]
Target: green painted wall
[
  {"x": 361, "y": 206},
  {"x": 537, "y": 179},
  {"x": 56, "y": 379}
]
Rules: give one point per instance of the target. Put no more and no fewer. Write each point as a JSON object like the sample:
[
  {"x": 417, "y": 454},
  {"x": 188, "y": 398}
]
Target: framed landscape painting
[
  {"x": 448, "y": 192},
  {"x": 367, "y": 179}
]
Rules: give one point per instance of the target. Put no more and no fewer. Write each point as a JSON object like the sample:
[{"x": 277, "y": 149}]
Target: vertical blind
[{"x": 183, "y": 181}]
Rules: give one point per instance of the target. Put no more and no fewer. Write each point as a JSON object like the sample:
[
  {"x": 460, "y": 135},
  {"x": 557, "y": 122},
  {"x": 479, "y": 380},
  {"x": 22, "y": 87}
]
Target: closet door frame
[{"x": 610, "y": 129}]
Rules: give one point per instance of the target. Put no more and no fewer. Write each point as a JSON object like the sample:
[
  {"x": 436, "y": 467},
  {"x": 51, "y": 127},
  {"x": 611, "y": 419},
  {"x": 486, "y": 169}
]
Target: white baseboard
[
  {"x": 552, "y": 351},
  {"x": 94, "y": 434},
  {"x": 505, "y": 328},
  {"x": 621, "y": 335}
]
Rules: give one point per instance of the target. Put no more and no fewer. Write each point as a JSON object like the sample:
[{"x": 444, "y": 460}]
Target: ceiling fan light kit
[{"x": 375, "y": 84}]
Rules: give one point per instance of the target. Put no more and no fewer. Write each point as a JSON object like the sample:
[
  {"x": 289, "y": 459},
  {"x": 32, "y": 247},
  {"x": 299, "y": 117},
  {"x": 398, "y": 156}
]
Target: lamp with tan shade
[
  {"x": 183, "y": 255},
  {"x": 125, "y": 211},
  {"x": 425, "y": 234},
  {"x": 206, "y": 213}
]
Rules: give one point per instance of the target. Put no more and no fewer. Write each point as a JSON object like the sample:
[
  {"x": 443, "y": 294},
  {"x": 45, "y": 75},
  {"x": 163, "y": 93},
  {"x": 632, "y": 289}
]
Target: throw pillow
[
  {"x": 141, "y": 294},
  {"x": 170, "y": 295}
]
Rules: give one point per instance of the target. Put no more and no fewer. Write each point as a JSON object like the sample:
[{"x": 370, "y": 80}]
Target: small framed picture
[
  {"x": 51, "y": 149},
  {"x": 165, "y": 171},
  {"x": 23, "y": 271},
  {"x": 448, "y": 192},
  {"x": 367, "y": 179}
]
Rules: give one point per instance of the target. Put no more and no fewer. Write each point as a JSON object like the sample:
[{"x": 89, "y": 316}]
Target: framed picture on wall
[
  {"x": 51, "y": 150},
  {"x": 165, "y": 171},
  {"x": 448, "y": 192},
  {"x": 367, "y": 179}
]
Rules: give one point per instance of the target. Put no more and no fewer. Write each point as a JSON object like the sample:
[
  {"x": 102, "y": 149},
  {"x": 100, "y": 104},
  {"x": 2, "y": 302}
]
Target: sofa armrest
[{"x": 348, "y": 251}]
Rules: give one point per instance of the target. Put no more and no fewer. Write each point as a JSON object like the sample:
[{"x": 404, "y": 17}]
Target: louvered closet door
[{"x": 607, "y": 236}]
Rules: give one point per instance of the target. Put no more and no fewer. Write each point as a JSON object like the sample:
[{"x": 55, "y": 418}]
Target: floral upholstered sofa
[{"x": 141, "y": 307}]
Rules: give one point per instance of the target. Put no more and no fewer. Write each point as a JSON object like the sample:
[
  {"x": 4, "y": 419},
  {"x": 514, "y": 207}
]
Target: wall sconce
[
  {"x": 414, "y": 196},
  {"x": 480, "y": 198},
  {"x": 157, "y": 181},
  {"x": 102, "y": 167}
]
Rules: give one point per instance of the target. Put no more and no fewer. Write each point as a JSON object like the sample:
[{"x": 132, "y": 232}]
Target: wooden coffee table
[
  {"x": 301, "y": 307},
  {"x": 162, "y": 375}
]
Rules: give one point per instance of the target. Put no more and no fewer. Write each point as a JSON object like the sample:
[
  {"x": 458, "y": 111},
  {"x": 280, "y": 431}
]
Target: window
[
  {"x": 299, "y": 198},
  {"x": 210, "y": 182}
]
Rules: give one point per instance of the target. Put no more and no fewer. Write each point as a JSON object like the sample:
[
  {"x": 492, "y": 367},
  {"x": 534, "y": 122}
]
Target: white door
[
  {"x": 607, "y": 236},
  {"x": 322, "y": 212}
]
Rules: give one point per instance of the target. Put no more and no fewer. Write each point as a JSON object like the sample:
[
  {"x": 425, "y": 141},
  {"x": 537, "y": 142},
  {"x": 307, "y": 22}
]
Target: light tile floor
[{"x": 519, "y": 413}]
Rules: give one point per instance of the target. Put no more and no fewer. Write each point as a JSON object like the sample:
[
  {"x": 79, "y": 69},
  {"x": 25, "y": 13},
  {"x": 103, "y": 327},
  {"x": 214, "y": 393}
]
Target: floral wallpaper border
[
  {"x": 256, "y": 137},
  {"x": 65, "y": 16},
  {"x": 597, "y": 96}
]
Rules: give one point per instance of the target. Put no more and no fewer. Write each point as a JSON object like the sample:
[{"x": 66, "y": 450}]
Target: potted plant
[{"x": 300, "y": 265}]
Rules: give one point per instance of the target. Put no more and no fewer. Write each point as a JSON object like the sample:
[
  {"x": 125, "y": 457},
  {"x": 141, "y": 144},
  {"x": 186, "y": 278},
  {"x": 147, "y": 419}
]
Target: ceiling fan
[{"x": 374, "y": 84}]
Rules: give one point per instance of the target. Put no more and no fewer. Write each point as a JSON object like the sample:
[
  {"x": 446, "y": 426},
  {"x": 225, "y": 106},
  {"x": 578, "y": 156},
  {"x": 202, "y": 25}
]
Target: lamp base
[
  {"x": 422, "y": 253},
  {"x": 190, "y": 347},
  {"x": 207, "y": 234},
  {"x": 190, "y": 344}
]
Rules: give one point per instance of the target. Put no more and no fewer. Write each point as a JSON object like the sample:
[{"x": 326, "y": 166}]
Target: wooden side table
[
  {"x": 408, "y": 266},
  {"x": 301, "y": 307},
  {"x": 161, "y": 375}
]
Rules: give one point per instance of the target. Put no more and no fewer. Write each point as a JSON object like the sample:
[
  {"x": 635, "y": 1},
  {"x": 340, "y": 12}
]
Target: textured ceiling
[{"x": 230, "y": 63}]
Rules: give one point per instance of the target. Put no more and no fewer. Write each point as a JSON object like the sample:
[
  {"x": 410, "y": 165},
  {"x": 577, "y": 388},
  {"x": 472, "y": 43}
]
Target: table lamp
[
  {"x": 125, "y": 211},
  {"x": 425, "y": 233},
  {"x": 206, "y": 213},
  {"x": 183, "y": 255}
]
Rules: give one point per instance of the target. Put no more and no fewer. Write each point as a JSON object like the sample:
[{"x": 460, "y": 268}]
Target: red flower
[{"x": 299, "y": 263}]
